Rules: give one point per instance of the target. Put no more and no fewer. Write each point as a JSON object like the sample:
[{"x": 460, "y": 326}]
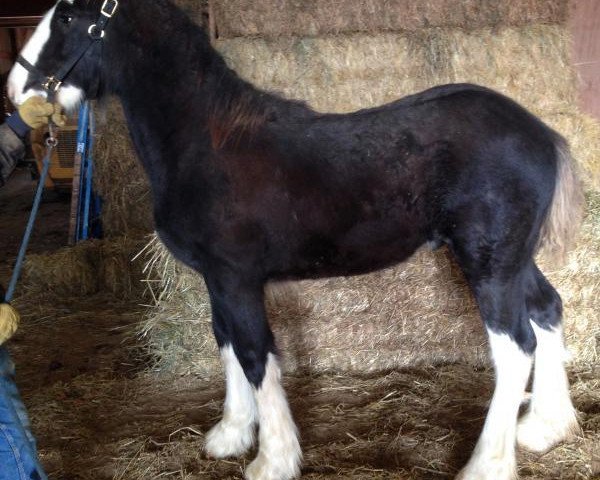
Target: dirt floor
[
  {"x": 98, "y": 413},
  {"x": 51, "y": 229}
]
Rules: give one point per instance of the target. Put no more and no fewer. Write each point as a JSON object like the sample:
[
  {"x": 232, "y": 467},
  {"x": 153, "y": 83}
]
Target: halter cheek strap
[
  {"x": 109, "y": 7},
  {"x": 96, "y": 33}
]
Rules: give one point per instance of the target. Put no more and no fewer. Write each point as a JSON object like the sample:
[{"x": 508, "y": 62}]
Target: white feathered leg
[
  {"x": 279, "y": 453},
  {"x": 494, "y": 454},
  {"x": 551, "y": 417},
  {"x": 234, "y": 434}
]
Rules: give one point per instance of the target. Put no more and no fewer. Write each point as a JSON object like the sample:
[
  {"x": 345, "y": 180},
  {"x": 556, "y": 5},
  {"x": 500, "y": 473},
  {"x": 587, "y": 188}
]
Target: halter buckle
[
  {"x": 109, "y": 7},
  {"x": 94, "y": 33},
  {"x": 52, "y": 141},
  {"x": 52, "y": 84}
]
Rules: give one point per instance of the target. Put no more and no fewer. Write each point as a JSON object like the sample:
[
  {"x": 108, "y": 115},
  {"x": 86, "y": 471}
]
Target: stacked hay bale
[
  {"x": 119, "y": 177},
  {"x": 344, "y": 55},
  {"x": 95, "y": 266}
]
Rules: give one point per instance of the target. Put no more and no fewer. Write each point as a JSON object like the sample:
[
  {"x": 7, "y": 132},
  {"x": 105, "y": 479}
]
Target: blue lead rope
[
  {"x": 10, "y": 402},
  {"x": 51, "y": 144},
  {"x": 83, "y": 136}
]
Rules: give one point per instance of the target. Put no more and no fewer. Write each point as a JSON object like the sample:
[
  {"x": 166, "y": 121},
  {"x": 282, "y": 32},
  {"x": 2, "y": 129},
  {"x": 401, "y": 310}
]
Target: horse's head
[{"x": 63, "y": 55}]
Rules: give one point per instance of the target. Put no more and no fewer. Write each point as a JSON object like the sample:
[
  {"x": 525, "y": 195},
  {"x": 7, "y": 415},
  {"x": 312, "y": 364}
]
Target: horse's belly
[{"x": 352, "y": 254}]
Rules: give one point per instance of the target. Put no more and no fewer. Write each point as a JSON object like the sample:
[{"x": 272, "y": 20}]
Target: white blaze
[
  {"x": 31, "y": 52},
  {"x": 68, "y": 96}
]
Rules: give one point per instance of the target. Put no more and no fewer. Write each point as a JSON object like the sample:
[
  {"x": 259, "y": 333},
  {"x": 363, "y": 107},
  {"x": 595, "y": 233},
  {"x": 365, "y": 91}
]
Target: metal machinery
[{"x": 60, "y": 177}]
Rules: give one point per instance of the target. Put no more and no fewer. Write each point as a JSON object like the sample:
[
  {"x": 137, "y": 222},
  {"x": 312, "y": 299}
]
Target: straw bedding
[
  {"x": 88, "y": 268},
  {"x": 419, "y": 424},
  {"x": 417, "y": 313},
  {"x": 96, "y": 416}
]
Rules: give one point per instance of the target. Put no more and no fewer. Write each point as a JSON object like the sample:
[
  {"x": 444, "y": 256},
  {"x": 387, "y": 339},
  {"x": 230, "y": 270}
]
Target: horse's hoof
[
  {"x": 228, "y": 439},
  {"x": 276, "y": 469},
  {"x": 539, "y": 434},
  {"x": 490, "y": 470}
]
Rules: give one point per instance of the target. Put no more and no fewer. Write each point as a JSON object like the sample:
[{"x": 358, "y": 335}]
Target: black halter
[{"x": 96, "y": 32}]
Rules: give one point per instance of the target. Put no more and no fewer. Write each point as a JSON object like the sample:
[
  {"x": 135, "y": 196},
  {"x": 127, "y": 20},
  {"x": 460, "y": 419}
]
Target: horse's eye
[{"x": 65, "y": 18}]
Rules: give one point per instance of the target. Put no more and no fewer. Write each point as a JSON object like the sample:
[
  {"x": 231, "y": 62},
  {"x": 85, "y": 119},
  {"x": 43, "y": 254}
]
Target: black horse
[{"x": 249, "y": 187}]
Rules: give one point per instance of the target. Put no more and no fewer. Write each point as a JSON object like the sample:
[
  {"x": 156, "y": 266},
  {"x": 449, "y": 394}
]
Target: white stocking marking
[
  {"x": 551, "y": 417},
  {"x": 279, "y": 453},
  {"x": 234, "y": 434},
  {"x": 494, "y": 454}
]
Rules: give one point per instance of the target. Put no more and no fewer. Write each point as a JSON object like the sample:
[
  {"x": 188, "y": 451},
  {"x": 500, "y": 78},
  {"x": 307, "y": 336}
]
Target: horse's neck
[{"x": 161, "y": 87}]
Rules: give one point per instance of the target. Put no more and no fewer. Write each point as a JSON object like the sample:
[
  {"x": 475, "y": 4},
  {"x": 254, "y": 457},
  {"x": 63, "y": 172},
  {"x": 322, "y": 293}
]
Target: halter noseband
[{"x": 96, "y": 32}]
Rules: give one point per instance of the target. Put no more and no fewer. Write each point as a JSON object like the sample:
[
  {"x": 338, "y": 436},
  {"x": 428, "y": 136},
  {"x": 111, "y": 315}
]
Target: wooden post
[
  {"x": 212, "y": 26},
  {"x": 585, "y": 28}
]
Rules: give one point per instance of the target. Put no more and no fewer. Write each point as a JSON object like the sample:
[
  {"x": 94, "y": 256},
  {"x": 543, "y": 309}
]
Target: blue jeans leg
[{"x": 18, "y": 455}]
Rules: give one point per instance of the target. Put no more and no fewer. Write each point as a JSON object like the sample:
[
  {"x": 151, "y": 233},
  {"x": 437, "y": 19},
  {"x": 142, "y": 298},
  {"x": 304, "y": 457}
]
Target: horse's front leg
[
  {"x": 254, "y": 391},
  {"x": 234, "y": 434}
]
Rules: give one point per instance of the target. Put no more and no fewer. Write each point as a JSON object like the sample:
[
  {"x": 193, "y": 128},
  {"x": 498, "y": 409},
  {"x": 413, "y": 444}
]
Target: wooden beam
[
  {"x": 21, "y": 8},
  {"x": 19, "y": 22},
  {"x": 585, "y": 27}
]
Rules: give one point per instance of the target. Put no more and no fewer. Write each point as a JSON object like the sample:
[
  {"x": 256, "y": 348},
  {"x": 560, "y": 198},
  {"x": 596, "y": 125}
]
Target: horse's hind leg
[
  {"x": 551, "y": 417},
  {"x": 512, "y": 342},
  {"x": 495, "y": 263},
  {"x": 254, "y": 392}
]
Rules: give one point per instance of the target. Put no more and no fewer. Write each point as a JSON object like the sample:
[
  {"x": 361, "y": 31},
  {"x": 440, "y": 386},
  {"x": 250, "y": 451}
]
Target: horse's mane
[{"x": 234, "y": 107}]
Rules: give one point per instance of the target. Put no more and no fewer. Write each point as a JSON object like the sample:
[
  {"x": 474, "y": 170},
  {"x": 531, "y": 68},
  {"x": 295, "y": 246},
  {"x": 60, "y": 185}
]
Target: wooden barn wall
[
  {"x": 585, "y": 25},
  {"x": 5, "y": 51}
]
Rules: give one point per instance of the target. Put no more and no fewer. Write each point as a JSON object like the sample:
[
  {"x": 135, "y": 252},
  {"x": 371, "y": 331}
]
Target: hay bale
[
  {"x": 119, "y": 177},
  {"x": 345, "y": 73},
  {"x": 89, "y": 267},
  {"x": 275, "y": 18},
  {"x": 417, "y": 313}
]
